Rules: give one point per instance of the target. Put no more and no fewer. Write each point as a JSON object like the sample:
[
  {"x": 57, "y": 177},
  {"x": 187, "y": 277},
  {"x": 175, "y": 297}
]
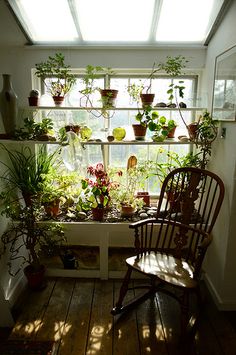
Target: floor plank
[
  {"x": 78, "y": 319},
  {"x": 126, "y": 339},
  {"x": 32, "y": 309},
  {"x": 223, "y": 329},
  {"x": 53, "y": 326},
  {"x": 170, "y": 318},
  {"x": 100, "y": 333},
  {"x": 151, "y": 335}
]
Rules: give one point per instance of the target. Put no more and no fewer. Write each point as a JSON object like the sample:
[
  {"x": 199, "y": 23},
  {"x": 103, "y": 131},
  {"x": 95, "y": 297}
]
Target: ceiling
[{"x": 123, "y": 22}]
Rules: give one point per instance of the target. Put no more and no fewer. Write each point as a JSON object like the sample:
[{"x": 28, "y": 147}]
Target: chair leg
[{"x": 123, "y": 290}]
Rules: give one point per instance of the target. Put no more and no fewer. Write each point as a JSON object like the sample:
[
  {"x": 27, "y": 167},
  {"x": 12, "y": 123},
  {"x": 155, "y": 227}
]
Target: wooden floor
[{"x": 76, "y": 313}]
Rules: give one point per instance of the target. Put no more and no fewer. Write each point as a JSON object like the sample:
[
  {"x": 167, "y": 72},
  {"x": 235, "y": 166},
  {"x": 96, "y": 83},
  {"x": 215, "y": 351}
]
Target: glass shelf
[
  {"x": 94, "y": 142},
  {"x": 66, "y": 108}
]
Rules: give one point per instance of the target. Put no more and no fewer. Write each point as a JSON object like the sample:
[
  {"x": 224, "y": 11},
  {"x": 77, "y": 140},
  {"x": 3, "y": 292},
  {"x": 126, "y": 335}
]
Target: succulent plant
[{"x": 34, "y": 93}]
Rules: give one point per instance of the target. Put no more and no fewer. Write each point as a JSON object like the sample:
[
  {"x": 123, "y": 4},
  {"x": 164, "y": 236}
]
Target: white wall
[{"x": 221, "y": 260}]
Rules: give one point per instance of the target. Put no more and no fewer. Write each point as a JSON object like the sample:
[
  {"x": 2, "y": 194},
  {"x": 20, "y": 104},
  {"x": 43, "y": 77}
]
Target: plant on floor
[
  {"x": 22, "y": 188},
  {"x": 56, "y": 75},
  {"x": 25, "y": 237}
]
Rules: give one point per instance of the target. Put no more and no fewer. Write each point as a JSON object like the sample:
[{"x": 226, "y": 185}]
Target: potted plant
[
  {"x": 134, "y": 91},
  {"x": 34, "y": 98},
  {"x": 56, "y": 76},
  {"x": 42, "y": 131},
  {"x": 96, "y": 191},
  {"x": 173, "y": 67},
  {"x": 171, "y": 126},
  {"x": 157, "y": 124},
  {"x": 145, "y": 119},
  {"x": 60, "y": 192},
  {"x": 206, "y": 133},
  {"x": 124, "y": 195},
  {"x": 21, "y": 186},
  {"x": 108, "y": 96}
]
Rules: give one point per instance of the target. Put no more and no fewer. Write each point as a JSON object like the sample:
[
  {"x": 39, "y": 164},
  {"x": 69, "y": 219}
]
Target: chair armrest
[{"x": 141, "y": 223}]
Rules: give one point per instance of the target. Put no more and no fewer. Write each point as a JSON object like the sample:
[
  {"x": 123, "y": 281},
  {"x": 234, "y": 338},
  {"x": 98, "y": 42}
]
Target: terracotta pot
[
  {"x": 108, "y": 97},
  {"x": 98, "y": 213},
  {"x": 147, "y": 99},
  {"x": 33, "y": 101},
  {"x": 58, "y": 100},
  {"x": 145, "y": 196},
  {"x": 52, "y": 209},
  {"x": 173, "y": 200},
  {"x": 192, "y": 130},
  {"x": 127, "y": 211},
  {"x": 36, "y": 279},
  {"x": 171, "y": 133},
  {"x": 139, "y": 132}
]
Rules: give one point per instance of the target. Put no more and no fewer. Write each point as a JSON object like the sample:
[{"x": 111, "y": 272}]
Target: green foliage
[
  {"x": 26, "y": 170},
  {"x": 22, "y": 185},
  {"x": 173, "y": 65},
  {"x": 174, "y": 160},
  {"x": 155, "y": 123},
  {"x": 207, "y": 128},
  {"x": 127, "y": 183},
  {"x": 55, "y": 67},
  {"x": 134, "y": 91},
  {"x": 147, "y": 117},
  {"x": 34, "y": 130},
  {"x": 28, "y": 234},
  {"x": 91, "y": 74}
]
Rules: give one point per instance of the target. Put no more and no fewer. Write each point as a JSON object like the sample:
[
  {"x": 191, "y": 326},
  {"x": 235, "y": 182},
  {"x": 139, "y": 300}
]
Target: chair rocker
[{"x": 170, "y": 248}]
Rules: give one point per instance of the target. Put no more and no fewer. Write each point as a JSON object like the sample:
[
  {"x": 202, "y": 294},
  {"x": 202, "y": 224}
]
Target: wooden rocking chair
[{"x": 170, "y": 248}]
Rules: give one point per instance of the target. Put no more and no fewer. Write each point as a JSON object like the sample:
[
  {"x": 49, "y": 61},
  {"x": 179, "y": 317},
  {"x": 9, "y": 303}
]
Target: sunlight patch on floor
[
  {"x": 29, "y": 328},
  {"x": 61, "y": 329},
  {"x": 150, "y": 330}
]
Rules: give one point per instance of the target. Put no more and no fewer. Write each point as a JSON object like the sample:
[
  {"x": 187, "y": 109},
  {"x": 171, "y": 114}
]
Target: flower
[{"x": 97, "y": 190}]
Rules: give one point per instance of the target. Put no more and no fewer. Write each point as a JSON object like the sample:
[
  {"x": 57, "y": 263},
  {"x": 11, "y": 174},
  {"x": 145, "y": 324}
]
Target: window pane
[
  {"x": 48, "y": 20},
  {"x": 184, "y": 20},
  {"x": 115, "y": 20}
]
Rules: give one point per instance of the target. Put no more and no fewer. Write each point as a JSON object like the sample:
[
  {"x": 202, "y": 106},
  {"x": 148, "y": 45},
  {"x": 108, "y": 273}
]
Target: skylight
[
  {"x": 84, "y": 22},
  {"x": 115, "y": 20}
]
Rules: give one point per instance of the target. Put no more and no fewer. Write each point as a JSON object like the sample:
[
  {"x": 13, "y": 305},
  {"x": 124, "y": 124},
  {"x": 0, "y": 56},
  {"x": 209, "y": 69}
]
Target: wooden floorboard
[
  {"x": 151, "y": 334},
  {"x": 76, "y": 314},
  {"x": 125, "y": 330},
  {"x": 100, "y": 330},
  {"x": 74, "y": 340},
  {"x": 32, "y": 309}
]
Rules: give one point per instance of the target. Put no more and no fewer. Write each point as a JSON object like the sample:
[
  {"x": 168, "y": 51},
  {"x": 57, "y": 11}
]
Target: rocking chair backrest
[{"x": 191, "y": 196}]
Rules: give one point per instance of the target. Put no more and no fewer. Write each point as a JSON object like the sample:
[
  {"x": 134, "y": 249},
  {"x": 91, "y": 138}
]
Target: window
[{"x": 117, "y": 155}]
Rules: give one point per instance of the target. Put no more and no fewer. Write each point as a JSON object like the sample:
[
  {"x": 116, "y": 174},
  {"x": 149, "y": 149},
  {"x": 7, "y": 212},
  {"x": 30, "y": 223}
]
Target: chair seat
[{"x": 165, "y": 267}]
